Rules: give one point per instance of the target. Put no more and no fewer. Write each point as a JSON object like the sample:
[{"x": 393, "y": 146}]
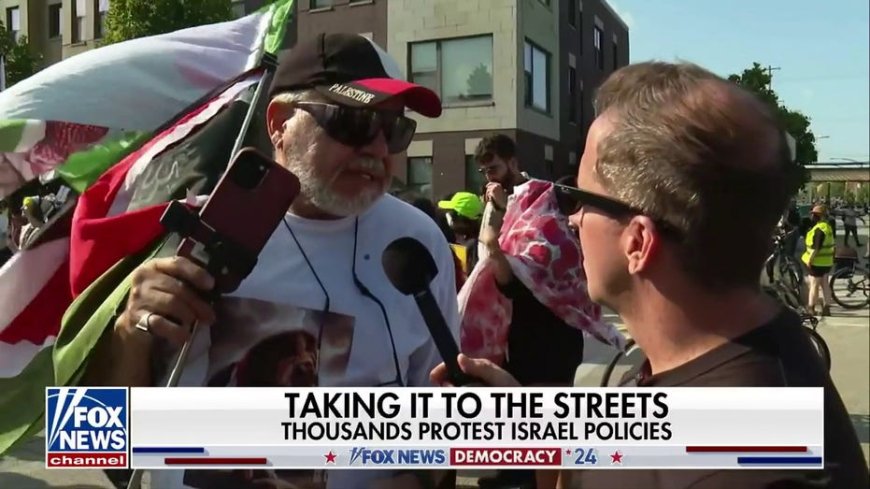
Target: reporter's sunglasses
[
  {"x": 357, "y": 127},
  {"x": 572, "y": 199}
]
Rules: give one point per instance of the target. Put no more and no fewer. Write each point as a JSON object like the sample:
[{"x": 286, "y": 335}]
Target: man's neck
[
  {"x": 513, "y": 180},
  {"x": 306, "y": 210},
  {"x": 673, "y": 330}
]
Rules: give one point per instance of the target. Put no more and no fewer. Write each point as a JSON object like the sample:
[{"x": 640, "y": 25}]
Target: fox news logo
[
  {"x": 86, "y": 427},
  {"x": 404, "y": 456}
]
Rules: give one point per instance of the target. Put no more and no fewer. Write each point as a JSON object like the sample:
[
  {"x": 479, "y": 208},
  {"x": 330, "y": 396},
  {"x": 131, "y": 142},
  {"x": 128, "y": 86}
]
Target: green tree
[
  {"x": 21, "y": 60},
  {"x": 758, "y": 80},
  {"x": 129, "y": 19},
  {"x": 479, "y": 83}
]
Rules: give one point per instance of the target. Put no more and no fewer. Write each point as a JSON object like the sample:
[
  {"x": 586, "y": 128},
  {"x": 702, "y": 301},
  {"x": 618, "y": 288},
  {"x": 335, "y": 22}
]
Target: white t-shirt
[{"x": 283, "y": 276}]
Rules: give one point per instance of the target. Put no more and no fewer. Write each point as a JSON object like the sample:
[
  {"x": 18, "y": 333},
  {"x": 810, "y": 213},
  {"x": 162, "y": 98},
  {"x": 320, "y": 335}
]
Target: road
[{"x": 846, "y": 332}]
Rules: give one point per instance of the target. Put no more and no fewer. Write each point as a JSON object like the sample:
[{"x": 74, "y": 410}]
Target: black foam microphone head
[{"x": 409, "y": 265}]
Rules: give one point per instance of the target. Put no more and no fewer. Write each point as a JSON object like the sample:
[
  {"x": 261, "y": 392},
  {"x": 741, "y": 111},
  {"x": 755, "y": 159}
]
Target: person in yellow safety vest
[{"x": 819, "y": 258}]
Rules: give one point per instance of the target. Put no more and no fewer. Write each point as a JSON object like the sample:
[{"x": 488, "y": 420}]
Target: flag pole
[{"x": 268, "y": 64}]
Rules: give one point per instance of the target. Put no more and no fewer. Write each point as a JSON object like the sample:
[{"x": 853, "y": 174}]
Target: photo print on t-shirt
[{"x": 257, "y": 343}]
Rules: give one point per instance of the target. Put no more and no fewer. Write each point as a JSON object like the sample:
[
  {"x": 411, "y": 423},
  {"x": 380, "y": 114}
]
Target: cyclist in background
[{"x": 819, "y": 259}]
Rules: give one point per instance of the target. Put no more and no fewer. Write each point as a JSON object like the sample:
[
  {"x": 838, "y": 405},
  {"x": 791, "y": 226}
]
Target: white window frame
[
  {"x": 440, "y": 69},
  {"x": 418, "y": 186},
  {"x": 13, "y": 17},
  {"x": 78, "y": 21}
]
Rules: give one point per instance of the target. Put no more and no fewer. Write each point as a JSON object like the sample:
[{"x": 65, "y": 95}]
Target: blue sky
[{"x": 821, "y": 48}]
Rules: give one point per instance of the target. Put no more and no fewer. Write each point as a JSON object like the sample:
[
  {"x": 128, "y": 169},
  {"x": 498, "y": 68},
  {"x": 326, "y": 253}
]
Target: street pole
[{"x": 770, "y": 70}]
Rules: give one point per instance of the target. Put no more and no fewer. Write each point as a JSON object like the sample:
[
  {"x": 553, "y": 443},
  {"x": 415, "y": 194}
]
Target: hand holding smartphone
[{"x": 238, "y": 219}]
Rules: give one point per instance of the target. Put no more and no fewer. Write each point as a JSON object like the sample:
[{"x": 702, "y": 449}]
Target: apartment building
[
  {"x": 56, "y": 28},
  {"x": 525, "y": 68}
]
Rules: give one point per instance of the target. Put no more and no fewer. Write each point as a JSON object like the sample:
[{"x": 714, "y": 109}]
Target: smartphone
[{"x": 244, "y": 209}]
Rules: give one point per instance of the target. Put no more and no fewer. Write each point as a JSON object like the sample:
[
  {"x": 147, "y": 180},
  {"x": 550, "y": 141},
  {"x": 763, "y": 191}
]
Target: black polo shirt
[{"x": 777, "y": 354}]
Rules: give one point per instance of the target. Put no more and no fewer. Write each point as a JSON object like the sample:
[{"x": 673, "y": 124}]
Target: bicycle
[
  {"x": 634, "y": 356},
  {"x": 845, "y": 287},
  {"x": 782, "y": 267}
]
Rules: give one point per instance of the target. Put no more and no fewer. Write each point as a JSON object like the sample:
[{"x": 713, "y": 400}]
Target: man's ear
[
  {"x": 641, "y": 243},
  {"x": 277, "y": 115}
]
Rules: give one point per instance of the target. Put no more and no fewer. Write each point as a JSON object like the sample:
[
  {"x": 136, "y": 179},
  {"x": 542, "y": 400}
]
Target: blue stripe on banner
[
  {"x": 169, "y": 450},
  {"x": 779, "y": 460}
]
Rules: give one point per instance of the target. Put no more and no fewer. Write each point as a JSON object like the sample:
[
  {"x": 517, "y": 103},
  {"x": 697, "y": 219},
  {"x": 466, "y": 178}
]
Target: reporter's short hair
[{"x": 703, "y": 155}]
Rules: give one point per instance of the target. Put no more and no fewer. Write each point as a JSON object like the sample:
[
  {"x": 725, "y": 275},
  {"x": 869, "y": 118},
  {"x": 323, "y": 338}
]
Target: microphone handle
[{"x": 443, "y": 337}]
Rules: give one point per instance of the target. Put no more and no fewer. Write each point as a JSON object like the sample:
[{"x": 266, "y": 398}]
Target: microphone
[{"x": 411, "y": 268}]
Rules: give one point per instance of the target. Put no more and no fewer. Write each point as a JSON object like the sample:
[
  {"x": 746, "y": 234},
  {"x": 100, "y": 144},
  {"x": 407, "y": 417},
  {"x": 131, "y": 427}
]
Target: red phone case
[{"x": 246, "y": 216}]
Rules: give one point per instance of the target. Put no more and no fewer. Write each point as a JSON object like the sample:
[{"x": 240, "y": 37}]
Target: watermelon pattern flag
[
  {"x": 30, "y": 148},
  {"x": 545, "y": 256},
  {"x": 115, "y": 227}
]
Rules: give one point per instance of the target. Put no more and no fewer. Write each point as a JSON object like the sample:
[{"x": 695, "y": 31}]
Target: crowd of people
[{"x": 669, "y": 248}]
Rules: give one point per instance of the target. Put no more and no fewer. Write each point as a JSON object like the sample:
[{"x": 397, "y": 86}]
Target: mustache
[{"x": 368, "y": 165}]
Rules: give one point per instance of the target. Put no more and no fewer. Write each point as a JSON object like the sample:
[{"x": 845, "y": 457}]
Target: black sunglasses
[
  {"x": 572, "y": 199},
  {"x": 357, "y": 127}
]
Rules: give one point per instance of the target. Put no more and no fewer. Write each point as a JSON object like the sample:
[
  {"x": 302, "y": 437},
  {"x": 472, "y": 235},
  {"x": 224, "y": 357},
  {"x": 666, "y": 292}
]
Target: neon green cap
[{"x": 466, "y": 204}]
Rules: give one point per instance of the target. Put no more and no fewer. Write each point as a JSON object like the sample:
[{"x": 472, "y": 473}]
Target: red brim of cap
[{"x": 416, "y": 97}]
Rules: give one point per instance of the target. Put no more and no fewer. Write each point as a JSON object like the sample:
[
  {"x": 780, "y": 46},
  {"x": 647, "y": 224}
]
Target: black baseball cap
[{"x": 349, "y": 69}]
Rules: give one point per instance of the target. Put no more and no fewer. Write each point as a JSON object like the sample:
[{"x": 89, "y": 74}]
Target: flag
[
  {"x": 138, "y": 85},
  {"x": 117, "y": 219},
  {"x": 545, "y": 257}
]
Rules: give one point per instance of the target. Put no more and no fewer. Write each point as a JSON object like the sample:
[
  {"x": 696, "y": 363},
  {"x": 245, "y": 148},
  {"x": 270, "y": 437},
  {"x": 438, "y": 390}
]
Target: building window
[
  {"x": 55, "y": 16},
  {"x": 474, "y": 179},
  {"x": 572, "y": 94},
  {"x": 582, "y": 106},
  {"x": 13, "y": 22},
  {"x": 572, "y": 13},
  {"x": 572, "y": 159},
  {"x": 78, "y": 26},
  {"x": 615, "y": 56},
  {"x": 316, "y": 4},
  {"x": 420, "y": 175},
  {"x": 102, "y": 10},
  {"x": 597, "y": 36},
  {"x": 536, "y": 63},
  {"x": 459, "y": 70},
  {"x": 545, "y": 2},
  {"x": 238, "y": 8}
]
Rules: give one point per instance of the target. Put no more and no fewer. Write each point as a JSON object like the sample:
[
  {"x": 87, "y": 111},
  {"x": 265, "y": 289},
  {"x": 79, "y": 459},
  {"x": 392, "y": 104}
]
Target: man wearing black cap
[{"x": 335, "y": 118}]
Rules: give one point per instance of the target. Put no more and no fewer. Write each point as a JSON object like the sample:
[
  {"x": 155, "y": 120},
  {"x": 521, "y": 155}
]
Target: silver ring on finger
[{"x": 144, "y": 323}]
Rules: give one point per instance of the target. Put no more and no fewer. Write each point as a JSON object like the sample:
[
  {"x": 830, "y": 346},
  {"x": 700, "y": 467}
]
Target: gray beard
[{"x": 317, "y": 192}]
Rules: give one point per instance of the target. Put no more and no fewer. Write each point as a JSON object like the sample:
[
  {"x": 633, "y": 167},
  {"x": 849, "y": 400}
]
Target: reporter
[{"x": 678, "y": 163}]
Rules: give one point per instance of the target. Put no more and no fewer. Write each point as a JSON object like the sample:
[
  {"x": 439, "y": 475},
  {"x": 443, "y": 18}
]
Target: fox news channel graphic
[
  {"x": 86, "y": 427},
  {"x": 712, "y": 428}
]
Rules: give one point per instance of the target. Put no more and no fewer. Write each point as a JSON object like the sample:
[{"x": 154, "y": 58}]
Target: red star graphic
[
  {"x": 568, "y": 452},
  {"x": 330, "y": 457},
  {"x": 616, "y": 458}
]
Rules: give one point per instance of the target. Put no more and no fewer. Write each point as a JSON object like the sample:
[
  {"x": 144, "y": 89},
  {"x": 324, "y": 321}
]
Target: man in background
[
  {"x": 850, "y": 217},
  {"x": 542, "y": 349},
  {"x": 496, "y": 157}
]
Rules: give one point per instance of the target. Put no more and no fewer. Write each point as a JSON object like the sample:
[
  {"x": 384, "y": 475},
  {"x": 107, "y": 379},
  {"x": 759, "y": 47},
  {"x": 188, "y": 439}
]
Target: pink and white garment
[{"x": 545, "y": 256}]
